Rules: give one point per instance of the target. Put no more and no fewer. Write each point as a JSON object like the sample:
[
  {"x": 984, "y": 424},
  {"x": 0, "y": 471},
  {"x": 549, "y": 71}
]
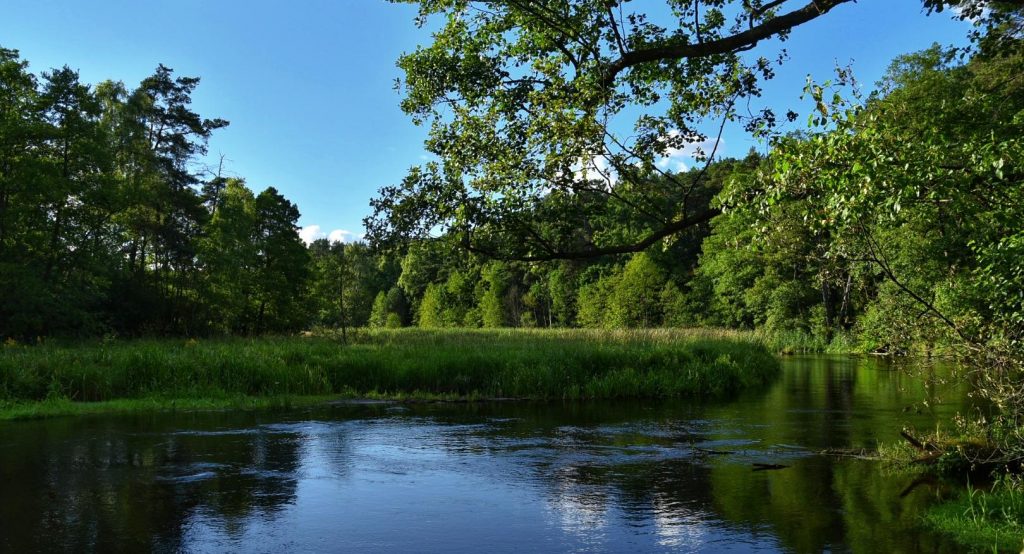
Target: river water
[{"x": 667, "y": 476}]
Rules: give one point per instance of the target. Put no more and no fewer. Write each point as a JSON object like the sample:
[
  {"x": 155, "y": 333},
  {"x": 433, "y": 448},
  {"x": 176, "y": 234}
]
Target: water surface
[{"x": 677, "y": 476}]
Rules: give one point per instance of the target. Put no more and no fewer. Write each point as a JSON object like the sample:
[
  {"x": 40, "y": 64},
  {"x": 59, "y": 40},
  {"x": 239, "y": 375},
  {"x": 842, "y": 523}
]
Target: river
[{"x": 658, "y": 476}]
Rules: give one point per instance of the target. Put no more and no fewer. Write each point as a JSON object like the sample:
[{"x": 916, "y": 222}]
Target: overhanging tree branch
[
  {"x": 732, "y": 43},
  {"x": 668, "y": 230}
]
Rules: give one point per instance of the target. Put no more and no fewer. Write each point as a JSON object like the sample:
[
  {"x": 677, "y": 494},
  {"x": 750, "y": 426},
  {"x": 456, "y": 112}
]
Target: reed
[{"x": 536, "y": 364}]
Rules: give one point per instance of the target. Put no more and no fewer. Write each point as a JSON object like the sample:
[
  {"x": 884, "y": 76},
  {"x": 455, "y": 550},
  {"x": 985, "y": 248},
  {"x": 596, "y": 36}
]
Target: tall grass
[
  {"x": 804, "y": 342},
  {"x": 985, "y": 520},
  {"x": 544, "y": 364}
]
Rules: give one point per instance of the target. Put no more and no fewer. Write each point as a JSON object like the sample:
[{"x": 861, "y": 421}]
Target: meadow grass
[{"x": 406, "y": 363}]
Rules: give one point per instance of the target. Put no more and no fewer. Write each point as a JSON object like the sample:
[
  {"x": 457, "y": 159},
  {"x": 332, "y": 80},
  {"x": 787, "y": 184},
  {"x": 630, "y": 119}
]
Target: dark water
[{"x": 503, "y": 477}]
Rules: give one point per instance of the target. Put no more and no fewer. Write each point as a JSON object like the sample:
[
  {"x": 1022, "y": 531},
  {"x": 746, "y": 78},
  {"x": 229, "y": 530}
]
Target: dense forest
[{"x": 109, "y": 224}]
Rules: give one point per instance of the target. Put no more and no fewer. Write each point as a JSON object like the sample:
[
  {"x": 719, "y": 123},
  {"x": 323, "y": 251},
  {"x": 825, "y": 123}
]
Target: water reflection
[{"x": 659, "y": 476}]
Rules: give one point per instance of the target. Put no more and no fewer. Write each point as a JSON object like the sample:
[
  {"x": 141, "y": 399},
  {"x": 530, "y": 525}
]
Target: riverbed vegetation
[{"x": 404, "y": 364}]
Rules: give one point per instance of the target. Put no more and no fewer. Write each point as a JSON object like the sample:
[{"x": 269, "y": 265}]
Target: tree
[
  {"x": 379, "y": 314},
  {"x": 431, "y": 313},
  {"x": 594, "y": 298},
  {"x": 231, "y": 259},
  {"x": 389, "y": 309},
  {"x": 532, "y": 108},
  {"x": 155, "y": 137},
  {"x": 675, "y": 308},
  {"x": 22, "y": 126},
  {"x": 397, "y": 306},
  {"x": 330, "y": 277},
  {"x": 284, "y": 264},
  {"x": 636, "y": 298},
  {"x": 562, "y": 288},
  {"x": 924, "y": 180}
]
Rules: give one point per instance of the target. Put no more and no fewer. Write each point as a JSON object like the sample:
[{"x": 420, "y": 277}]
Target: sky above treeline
[{"x": 309, "y": 86}]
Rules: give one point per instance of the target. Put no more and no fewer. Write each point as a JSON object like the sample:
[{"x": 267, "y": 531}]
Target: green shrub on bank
[{"x": 544, "y": 364}]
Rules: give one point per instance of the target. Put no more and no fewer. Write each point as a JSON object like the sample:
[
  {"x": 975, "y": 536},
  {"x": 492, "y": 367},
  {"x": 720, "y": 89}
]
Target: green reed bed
[{"x": 408, "y": 363}]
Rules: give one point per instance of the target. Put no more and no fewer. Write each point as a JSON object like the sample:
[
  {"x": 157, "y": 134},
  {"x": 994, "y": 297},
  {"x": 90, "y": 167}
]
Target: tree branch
[
  {"x": 594, "y": 252},
  {"x": 732, "y": 43}
]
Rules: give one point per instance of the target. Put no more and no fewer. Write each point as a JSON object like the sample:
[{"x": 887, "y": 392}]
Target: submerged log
[{"x": 768, "y": 467}]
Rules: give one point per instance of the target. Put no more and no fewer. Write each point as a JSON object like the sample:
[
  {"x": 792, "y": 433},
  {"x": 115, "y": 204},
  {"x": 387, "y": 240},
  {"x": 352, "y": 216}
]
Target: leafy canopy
[{"x": 548, "y": 117}]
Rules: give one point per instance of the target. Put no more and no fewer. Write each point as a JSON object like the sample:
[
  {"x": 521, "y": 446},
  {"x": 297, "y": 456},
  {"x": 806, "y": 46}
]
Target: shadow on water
[{"x": 601, "y": 476}]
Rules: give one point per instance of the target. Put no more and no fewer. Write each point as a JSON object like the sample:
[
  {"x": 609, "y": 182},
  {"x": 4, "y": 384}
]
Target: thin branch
[
  {"x": 882, "y": 262},
  {"x": 615, "y": 28}
]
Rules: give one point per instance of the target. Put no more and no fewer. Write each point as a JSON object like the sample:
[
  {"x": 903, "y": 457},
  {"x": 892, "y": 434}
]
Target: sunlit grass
[{"x": 538, "y": 364}]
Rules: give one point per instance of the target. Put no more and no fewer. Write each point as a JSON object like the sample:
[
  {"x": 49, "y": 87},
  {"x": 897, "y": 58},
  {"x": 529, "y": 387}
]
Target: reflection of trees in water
[
  {"x": 598, "y": 466},
  {"x": 812, "y": 506},
  {"x": 820, "y": 505},
  {"x": 108, "y": 488}
]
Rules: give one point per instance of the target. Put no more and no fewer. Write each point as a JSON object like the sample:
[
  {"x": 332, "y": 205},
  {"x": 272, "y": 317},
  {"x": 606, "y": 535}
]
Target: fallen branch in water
[
  {"x": 768, "y": 467},
  {"x": 931, "y": 452},
  {"x": 858, "y": 453},
  {"x": 926, "y": 479},
  {"x": 923, "y": 447}
]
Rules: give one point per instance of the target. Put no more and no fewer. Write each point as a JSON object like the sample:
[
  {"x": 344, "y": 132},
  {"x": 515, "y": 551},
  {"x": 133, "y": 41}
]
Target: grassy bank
[
  {"x": 540, "y": 364},
  {"x": 55, "y": 407},
  {"x": 988, "y": 521}
]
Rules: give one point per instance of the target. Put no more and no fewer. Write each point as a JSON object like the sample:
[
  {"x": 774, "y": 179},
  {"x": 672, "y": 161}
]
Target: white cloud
[
  {"x": 597, "y": 168},
  {"x": 341, "y": 235},
  {"x": 311, "y": 233},
  {"x": 673, "y": 159}
]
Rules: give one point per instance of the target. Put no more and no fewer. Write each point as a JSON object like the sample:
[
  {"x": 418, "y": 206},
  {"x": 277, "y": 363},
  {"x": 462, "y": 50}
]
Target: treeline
[
  {"x": 107, "y": 225},
  {"x": 897, "y": 224}
]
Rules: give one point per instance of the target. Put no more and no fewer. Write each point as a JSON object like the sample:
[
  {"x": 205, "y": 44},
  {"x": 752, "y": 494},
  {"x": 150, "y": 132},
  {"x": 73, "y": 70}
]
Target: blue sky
[{"x": 309, "y": 85}]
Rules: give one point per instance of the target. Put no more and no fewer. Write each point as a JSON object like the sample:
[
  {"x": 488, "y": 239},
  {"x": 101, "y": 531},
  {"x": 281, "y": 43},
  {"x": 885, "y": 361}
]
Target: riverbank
[
  {"x": 985, "y": 520},
  {"x": 58, "y": 407},
  {"x": 987, "y": 515},
  {"x": 405, "y": 363}
]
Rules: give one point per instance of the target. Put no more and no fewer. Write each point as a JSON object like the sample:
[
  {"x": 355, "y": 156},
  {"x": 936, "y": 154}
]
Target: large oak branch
[
  {"x": 594, "y": 252},
  {"x": 732, "y": 43}
]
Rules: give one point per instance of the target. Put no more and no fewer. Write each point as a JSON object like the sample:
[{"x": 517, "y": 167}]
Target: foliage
[
  {"x": 549, "y": 119},
  {"x": 923, "y": 181},
  {"x": 636, "y": 299}
]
